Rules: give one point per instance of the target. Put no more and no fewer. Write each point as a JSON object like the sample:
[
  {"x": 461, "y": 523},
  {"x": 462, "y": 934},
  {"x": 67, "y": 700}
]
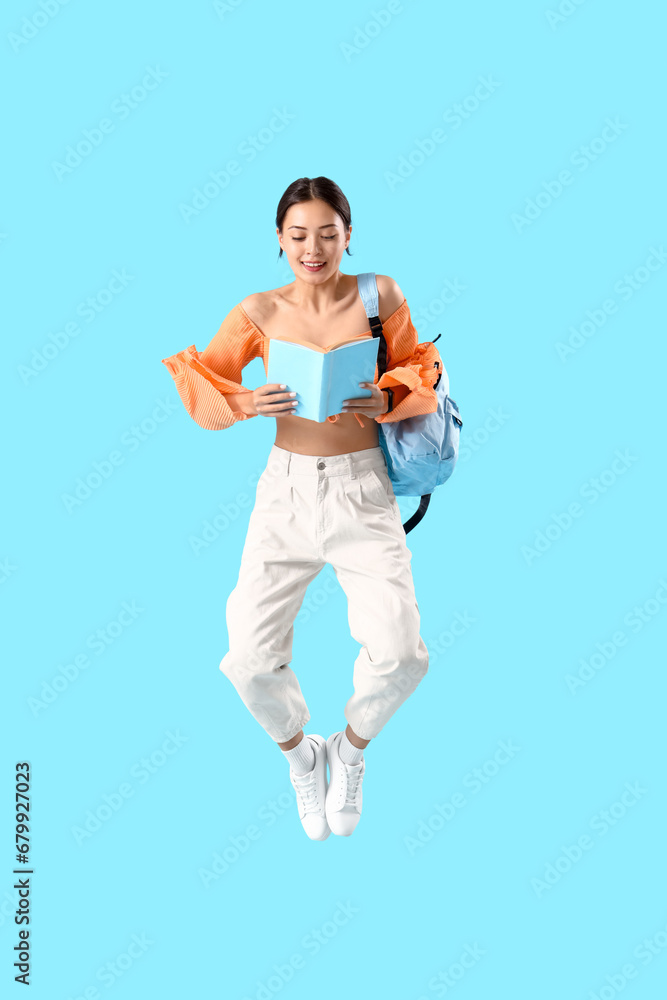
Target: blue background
[{"x": 415, "y": 888}]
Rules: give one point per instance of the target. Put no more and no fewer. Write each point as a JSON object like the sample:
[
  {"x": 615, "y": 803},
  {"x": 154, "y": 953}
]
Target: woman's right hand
[{"x": 273, "y": 400}]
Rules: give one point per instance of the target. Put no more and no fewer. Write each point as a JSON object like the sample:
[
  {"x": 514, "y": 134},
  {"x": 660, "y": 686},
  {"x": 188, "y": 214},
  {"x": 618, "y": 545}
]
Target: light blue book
[{"x": 322, "y": 377}]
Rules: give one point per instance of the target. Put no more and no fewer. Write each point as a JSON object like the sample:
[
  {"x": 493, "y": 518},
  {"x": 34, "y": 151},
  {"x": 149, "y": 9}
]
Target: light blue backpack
[{"x": 421, "y": 451}]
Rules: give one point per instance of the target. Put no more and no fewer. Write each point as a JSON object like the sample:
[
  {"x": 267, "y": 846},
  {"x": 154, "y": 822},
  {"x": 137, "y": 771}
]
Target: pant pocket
[
  {"x": 379, "y": 485},
  {"x": 382, "y": 477}
]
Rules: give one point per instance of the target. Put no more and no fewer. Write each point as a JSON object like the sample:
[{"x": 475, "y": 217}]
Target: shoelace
[
  {"x": 306, "y": 787},
  {"x": 352, "y": 786}
]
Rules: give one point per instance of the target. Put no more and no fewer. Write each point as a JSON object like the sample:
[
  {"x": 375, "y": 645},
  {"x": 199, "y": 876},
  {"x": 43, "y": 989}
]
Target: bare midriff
[{"x": 308, "y": 437}]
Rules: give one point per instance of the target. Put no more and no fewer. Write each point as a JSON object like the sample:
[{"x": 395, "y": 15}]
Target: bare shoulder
[
  {"x": 389, "y": 294},
  {"x": 261, "y": 306},
  {"x": 254, "y": 304},
  {"x": 257, "y": 306}
]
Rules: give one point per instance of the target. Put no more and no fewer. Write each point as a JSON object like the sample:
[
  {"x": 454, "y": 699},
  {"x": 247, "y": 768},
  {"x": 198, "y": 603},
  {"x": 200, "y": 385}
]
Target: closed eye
[{"x": 298, "y": 239}]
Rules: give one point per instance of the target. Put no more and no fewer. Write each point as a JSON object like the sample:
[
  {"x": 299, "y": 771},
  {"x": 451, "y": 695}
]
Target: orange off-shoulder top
[{"x": 202, "y": 378}]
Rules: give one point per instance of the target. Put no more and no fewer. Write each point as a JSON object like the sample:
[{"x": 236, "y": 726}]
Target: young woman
[{"x": 324, "y": 497}]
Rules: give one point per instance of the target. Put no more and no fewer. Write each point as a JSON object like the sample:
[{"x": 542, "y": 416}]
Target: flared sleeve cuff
[
  {"x": 202, "y": 390},
  {"x": 418, "y": 374}
]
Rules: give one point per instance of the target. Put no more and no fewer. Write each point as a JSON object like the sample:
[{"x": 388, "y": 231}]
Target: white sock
[
  {"x": 347, "y": 751},
  {"x": 301, "y": 757}
]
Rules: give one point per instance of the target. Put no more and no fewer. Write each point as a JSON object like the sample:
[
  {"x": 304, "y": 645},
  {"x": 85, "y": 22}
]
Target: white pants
[{"x": 311, "y": 511}]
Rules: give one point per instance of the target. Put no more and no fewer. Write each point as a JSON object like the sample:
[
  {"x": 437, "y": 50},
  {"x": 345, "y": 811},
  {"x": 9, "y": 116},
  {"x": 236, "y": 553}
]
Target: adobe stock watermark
[
  {"x": 374, "y": 26},
  {"x": 446, "y": 979},
  {"x": 248, "y": 150},
  {"x": 254, "y": 661},
  {"x": 238, "y": 845},
  {"x": 213, "y": 528},
  {"x": 228, "y": 513},
  {"x": 122, "y": 107},
  {"x": 311, "y": 943},
  {"x": 224, "y": 7},
  {"x": 32, "y": 25},
  {"x": 473, "y": 782},
  {"x": 591, "y": 491},
  {"x": 142, "y": 770},
  {"x": 9, "y": 906},
  {"x": 636, "y": 619},
  {"x": 7, "y": 569},
  {"x": 88, "y": 309},
  {"x": 625, "y": 288},
  {"x": 109, "y": 973},
  {"x": 98, "y": 642},
  {"x": 454, "y": 117},
  {"x": 601, "y": 823},
  {"x": 450, "y": 292},
  {"x": 460, "y": 623},
  {"x": 647, "y": 949},
  {"x": 317, "y": 596},
  {"x": 564, "y": 11},
  {"x": 104, "y": 468},
  {"x": 406, "y": 682},
  {"x": 581, "y": 158},
  {"x": 482, "y": 434}
]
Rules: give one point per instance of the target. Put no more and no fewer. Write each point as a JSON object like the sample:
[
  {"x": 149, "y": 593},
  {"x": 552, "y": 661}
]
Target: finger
[
  {"x": 278, "y": 407},
  {"x": 364, "y": 399},
  {"x": 276, "y": 397}
]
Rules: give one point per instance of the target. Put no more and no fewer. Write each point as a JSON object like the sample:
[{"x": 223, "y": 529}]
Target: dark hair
[{"x": 309, "y": 188}]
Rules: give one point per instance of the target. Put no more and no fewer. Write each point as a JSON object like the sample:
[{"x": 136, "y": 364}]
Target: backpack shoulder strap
[{"x": 368, "y": 290}]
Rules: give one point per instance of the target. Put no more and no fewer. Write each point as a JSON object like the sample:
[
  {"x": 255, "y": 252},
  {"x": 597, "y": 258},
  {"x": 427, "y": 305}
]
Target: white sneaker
[
  {"x": 343, "y": 799},
  {"x": 311, "y": 789}
]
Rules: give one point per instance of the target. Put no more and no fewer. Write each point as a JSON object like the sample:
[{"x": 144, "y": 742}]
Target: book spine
[{"x": 327, "y": 365}]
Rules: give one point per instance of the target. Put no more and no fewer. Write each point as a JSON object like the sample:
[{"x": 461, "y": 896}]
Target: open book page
[
  {"x": 346, "y": 367},
  {"x": 322, "y": 379},
  {"x": 301, "y": 369}
]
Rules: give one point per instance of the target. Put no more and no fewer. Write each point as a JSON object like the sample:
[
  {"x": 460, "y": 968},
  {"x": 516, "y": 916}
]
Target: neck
[{"x": 321, "y": 297}]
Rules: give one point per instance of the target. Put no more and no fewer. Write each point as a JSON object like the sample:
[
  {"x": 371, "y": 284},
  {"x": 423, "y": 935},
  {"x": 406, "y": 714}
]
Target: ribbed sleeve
[
  {"x": 203, "y": 378},
  {"x": 410, "y": 364}
]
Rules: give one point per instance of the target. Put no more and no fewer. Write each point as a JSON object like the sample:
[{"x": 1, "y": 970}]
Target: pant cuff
[{"x": 297, "y": 729}]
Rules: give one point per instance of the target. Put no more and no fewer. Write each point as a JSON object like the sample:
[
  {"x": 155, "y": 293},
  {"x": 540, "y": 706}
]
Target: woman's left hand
[{"x": 367, "y": 406}]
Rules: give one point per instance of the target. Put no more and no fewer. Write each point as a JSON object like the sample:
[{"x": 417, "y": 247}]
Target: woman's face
[{"x": 313, "y": 231}]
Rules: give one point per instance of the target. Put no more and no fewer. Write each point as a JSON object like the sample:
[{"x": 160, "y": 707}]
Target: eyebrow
[{"x": 321, "y": 227}]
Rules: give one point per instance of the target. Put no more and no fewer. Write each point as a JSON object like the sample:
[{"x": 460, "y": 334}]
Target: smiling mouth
[{"x": 313, "y": 265}]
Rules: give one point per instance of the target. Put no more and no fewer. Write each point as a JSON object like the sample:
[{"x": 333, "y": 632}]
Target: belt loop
[
  {"x": 287, "y": 463},
  {"x": 350, "y": 466},
  {"x": 278, "y": 463}
]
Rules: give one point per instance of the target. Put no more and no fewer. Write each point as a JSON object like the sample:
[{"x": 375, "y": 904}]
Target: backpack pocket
[{"x": 450, "y": 441}]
